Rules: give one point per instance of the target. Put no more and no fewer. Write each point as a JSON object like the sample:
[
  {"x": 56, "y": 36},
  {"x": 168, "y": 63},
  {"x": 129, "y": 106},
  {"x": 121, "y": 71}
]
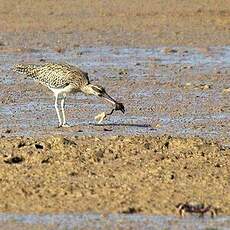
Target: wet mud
[
  {"x": 111, "y": 221},
  {"x": 178, "y": 91}
]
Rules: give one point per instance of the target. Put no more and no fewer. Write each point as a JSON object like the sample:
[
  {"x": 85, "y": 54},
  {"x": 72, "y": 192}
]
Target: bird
[{"x": 63, "y": 79}]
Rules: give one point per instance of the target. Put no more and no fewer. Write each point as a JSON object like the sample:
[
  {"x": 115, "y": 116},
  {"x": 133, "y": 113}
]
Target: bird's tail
[{"x": 28, "y": 69}]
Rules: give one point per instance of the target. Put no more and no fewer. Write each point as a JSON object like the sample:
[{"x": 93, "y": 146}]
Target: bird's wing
[{"x": 55, "y": 75}]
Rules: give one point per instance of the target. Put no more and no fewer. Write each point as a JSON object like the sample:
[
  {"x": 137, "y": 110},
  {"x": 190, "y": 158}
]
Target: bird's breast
[{"x": 67, "y": 89}]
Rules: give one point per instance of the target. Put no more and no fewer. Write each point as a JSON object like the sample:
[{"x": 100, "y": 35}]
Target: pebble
[{"x": 168, "y": 50}]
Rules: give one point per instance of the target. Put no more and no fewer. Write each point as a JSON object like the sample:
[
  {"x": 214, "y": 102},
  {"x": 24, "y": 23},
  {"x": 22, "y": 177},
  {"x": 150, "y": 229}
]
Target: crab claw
[{"x": 120, "y": 106}]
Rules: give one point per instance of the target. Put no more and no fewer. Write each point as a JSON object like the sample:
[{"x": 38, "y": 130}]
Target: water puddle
[{"x": 116, "y": 221}]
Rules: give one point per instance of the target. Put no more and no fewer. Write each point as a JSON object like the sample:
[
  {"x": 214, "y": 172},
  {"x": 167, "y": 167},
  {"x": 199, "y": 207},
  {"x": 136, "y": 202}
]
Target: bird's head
[
  {"x": 99, "y": 91},
  {"x": 96, "y": 90}
]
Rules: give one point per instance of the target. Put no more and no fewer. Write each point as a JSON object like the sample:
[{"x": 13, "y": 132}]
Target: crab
[
  {"x": 198, "y": 208},
  {"x": 101, "y": 116}
]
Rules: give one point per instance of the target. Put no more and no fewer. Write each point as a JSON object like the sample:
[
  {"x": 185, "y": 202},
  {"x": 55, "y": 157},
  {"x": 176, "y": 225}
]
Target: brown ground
[
  {"x": 119, "y": 174},
  {"x": 127, "y": 23}
]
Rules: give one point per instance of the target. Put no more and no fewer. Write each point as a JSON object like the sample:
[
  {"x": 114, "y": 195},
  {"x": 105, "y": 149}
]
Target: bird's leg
[
  {"x": 57, "y": 110},
  {"x": 64, "y": 124},
  {"x": 63, "y": 109}
]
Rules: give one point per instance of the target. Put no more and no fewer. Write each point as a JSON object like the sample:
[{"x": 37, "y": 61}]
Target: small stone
[
  {"x": 131, "y": 210},
  {"x": 123, "y": 72},
  {"x": 46, "y": 160},
  {"x": 205, "y": 87},
  {"x": 188, "y": 84},
  {"x": 73, "y": 174},
  {"x": 80, "y": 130},
  {"x": 14, "y": 160},
  {"x": 38, "y": 146},
  {"x": 168, "y": 50},
  {"x": 8, "y": 131},
  {"x": 106, "y": 129},
  {"x": 218, "y": 165},
  {"x": 80, "y": 53},
  {"x": 147, "y": 145}
]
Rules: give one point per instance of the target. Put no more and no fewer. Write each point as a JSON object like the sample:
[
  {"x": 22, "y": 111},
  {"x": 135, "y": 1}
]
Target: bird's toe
[{"x": 66, "y": 126}]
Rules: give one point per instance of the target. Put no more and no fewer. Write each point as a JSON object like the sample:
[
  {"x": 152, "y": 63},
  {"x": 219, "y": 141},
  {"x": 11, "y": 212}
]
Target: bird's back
[{"x": 55, "y": 75}]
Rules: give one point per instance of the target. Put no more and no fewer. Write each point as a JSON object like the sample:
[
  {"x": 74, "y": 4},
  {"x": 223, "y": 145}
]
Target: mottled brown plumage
[{"x": 55, "y": 75}]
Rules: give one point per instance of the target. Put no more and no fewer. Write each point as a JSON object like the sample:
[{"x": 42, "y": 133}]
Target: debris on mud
[{"x": 14, "y": 160}]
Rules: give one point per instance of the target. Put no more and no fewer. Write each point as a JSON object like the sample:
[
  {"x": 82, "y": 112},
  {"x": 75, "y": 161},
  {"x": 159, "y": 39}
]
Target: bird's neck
[{"x": 88, "y": 89}]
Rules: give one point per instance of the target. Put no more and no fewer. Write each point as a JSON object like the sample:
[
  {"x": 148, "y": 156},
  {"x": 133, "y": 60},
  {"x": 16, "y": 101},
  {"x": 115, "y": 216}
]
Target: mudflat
[{"x": 167, "y": 62}]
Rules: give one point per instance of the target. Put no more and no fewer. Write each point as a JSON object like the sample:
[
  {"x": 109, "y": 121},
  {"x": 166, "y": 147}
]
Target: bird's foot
[
  {"x": 66, "y": 125},
  {"x": 63, "y": 125}
]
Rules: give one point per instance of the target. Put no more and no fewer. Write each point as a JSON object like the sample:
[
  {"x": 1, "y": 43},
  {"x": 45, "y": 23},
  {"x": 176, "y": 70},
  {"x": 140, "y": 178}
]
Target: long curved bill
[{"x": 109, "y": 99}]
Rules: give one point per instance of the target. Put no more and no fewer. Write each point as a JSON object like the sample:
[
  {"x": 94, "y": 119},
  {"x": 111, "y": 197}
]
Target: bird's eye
[{"x": 102, "y": 91}]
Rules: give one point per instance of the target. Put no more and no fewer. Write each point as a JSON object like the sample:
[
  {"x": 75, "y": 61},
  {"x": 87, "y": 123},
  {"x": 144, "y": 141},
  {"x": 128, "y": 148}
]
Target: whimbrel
[{"x": 63, "y": 79}]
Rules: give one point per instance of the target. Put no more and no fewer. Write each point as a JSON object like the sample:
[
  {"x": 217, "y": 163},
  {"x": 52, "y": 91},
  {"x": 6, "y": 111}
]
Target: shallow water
[
  {"x": 116, "y": 221},
  {"x": 150, "y": 82}
]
